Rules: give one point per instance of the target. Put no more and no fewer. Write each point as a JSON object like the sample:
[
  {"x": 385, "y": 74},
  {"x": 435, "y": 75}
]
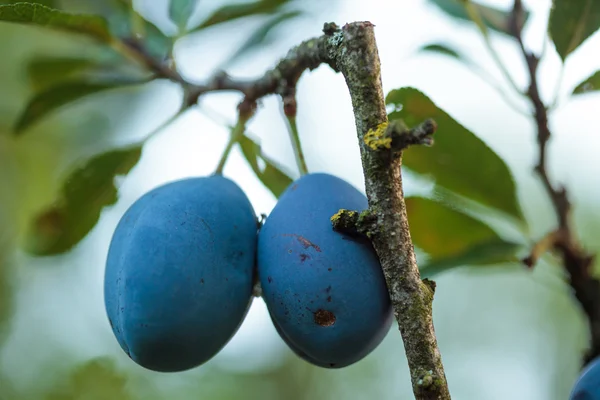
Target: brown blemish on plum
[
  {"x": 294, "y": 187},
  {"x": 328, "y": 289},
  {"x": 329, "y": 299},
  {"x": 329, "y": 269},
  {"x": 324, "y": 317},
  {"x": 304, "y": 257},
  {"x": 269, "y": 279},
  {"x": 202, "y": 281},
  {"x": 304, "y": 241}
]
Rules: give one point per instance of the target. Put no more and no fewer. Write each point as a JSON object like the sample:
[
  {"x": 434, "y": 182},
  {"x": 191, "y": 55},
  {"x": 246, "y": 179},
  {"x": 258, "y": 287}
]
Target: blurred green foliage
[
  {"x": 456, "y": 239},
  {"x": 97, "y": 379},
  {"x": 571, "y": 23},
  {"x": 459, "y": 160},
  {"x": 493, "y": 18},
  {"x": 82, "y": 198}
]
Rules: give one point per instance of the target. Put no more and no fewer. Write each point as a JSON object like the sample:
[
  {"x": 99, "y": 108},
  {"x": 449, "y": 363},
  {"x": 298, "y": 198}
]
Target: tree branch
[
  {"x": 352, "y": 50},
  {"x": 575, "y": 260}
]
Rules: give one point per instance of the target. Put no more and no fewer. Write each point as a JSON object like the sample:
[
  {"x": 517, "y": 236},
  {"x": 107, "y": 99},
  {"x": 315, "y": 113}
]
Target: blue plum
[
  {"x": 179, "y": 272},
  {"x": 587, "y": 386},
  {"x": 325, "y": 290}
]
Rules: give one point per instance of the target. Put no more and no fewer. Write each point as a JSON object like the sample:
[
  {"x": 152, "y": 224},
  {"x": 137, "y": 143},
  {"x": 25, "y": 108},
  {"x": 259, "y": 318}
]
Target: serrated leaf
[
  {"x": 95, "y": 380},
  {"x": 62, "y": 94},
  {"x": 180, "y": 12},
  {"x": 458, "y": 161},
  {"x": 37, "y": 14},
  {"x": 235, "y": 11},
  {"x": 441, "y": 49},
  {"x": 493, "y": 18},
  {"x": 260, "y": 35},
  {"x": 571, "y": 22},
  {"x": 271, "y": 176},
  {"x": 590, "y": 84},
  {"x": 452, "y": 238},
  {"x": 84, "y": 195},
  {"x": 50, "y": 70},
  {"x": 47, "y": 3}
]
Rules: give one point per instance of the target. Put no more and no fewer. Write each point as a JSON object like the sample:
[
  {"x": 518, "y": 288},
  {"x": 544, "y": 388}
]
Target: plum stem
[
  {"x": 246, "y": 110},
  {"x": 236, "y": 132},
  {"x": 296, "y": 145}
]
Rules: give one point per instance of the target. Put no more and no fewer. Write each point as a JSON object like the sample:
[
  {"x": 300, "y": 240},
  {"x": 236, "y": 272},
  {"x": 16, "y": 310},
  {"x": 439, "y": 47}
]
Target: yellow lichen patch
[
  {"x": 335, "y": 217},
  {"x": 375, "y": 138}
]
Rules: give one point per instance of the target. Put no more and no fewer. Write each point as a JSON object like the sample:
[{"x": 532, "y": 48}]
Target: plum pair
[{"x": 184, "y": 257}]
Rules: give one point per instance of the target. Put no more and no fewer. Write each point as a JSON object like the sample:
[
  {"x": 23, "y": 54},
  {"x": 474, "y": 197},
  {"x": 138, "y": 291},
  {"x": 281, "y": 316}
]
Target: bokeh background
[{"x": 504, "y": 332}]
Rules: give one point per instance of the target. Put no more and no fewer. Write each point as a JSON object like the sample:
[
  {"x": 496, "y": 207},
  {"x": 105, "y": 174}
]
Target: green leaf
[
  {"x": 458, "y": 161},
  {"x": 95, "y": 380},
  {"x": 7, "y": 285},
  {"x": 590, "y": 84},
  {"x": 493, "y": 18},
  {"x": 494, "y": 252},
  {"x": 180, "y": 12},
  {"x": 62, "y": 94},
  {"x": 571, "y": 22},
  {"x": 274, "y": 178},
  {"x": 271, "y": 176},
  {"x": 441, "y": 49},
  {"x": 235, "y": 11},
  {"x": 47, "y": 3},
  {"x": 37, "y": 14},
  {"x": 51, "y": 70},
  {"x": 452, "y": 238},
  {"x": 86, "y": 192},
  {"x": 260, "y": 36},
  {"x": 155, "y": 42}
]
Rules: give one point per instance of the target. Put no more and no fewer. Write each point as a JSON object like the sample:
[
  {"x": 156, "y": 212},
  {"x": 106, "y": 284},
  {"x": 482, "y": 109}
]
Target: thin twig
[
  {"x": 575, "y": 260},
  {"x": 478, "y": 20}
]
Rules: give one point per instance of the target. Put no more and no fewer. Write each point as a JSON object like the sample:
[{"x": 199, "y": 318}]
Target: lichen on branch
[
  {"x": 396, "y": 136},
  {"x": 353, "y": 51}
]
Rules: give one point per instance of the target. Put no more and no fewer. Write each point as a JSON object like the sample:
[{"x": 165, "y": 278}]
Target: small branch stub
[
  {"x": 547, "y": 243},
  {"x": 355, "y": 223},
  {"x": 396, "y": 136}
]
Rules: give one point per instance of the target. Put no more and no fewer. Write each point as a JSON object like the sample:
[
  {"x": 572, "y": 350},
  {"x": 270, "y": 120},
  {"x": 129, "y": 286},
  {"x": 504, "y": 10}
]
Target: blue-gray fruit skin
[
  {"x": 179, "y": 272},
  {"x": 325, "y": 290},
  {"x": 587, "y": 386}
]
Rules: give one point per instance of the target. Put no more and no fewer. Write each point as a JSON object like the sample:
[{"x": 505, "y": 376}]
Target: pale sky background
[{"x": 500, "y": 334}]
